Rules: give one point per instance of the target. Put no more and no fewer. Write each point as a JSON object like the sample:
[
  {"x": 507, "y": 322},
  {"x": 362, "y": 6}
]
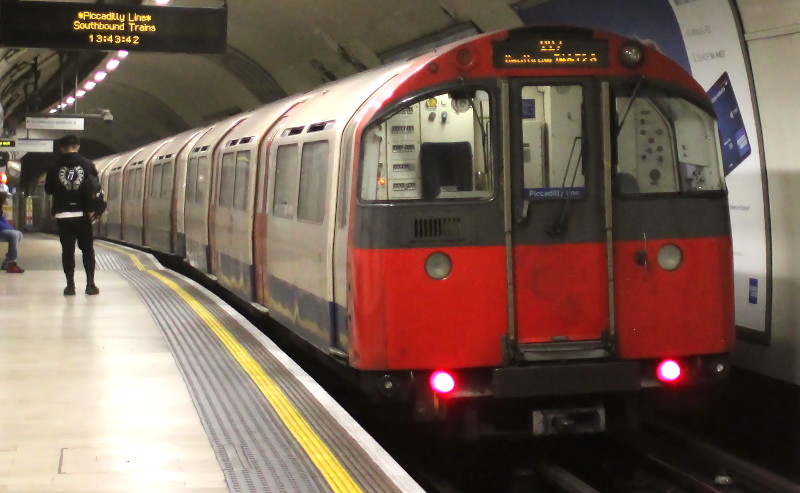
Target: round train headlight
[
  {"x": 670, "y": 257},
  {"x": 631, "y": 55},
  {"x": 438, "y": 265}
]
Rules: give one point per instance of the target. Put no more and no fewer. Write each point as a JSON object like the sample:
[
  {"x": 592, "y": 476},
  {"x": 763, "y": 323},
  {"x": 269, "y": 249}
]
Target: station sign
[
  {"x": 27, "y": 145},
  {"x": 53, "y": 123},
  {"x": 98, "y": 26}
]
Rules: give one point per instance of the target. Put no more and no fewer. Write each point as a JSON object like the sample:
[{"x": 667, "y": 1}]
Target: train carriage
[
  {"x": 241, "y": 166},
  {"x": 533, "y": 218},
  {"x": 116, "y": 186},
  {"x": 164, "y": 210},
  {"x": 199, "y": 179}
]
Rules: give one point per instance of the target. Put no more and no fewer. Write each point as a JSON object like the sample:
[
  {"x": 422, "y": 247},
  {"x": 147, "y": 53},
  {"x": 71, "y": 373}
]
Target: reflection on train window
[
  {"x": 665, "y": 145},
  {"x": 242, "y": 180},
  {"x": 552, "y": 142},
  {"x": 203, "y": 174},
  {"x": 226, "y": 180},
  {"x": 155, "y": 182},
  {"x": 286, "y": 166},
  {"x": 114, "y": 186},
  {"x": 434, "y": 149},
  {"x": 313, "y": 175},
  {"x": 191, "y": 180},
  {"x": 166, "y": 180},
  {"x": 128, "y": 192},
  {"x": 139, "y": 183}
]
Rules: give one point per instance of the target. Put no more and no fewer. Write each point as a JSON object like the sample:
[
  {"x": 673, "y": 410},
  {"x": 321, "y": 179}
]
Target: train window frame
[
  {"x": 227, "y": 179},
  {"x": 285, "y": 183},
  {"x": 191, "y": 179},
  {"x": 484, "y": 183},
  {"x": 312, "y": 193},
  {"x": 167, "y": 179},
  {"x": 155, "y": 185},
  {"x": 241, "y": 187},
  {"x": 203, "y": 164},
  {"x": 560, "y": 172},
  {"x": 626, "y": 185},
  {"x": 139, "y": 177}
]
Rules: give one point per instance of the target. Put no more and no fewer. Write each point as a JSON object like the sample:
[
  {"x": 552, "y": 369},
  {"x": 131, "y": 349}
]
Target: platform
[{"x": 156, "y": 385}]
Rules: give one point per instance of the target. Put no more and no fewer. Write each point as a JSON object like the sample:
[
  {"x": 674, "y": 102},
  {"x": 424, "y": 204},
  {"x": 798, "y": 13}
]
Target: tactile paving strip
[{"x": 255, "y": 449}]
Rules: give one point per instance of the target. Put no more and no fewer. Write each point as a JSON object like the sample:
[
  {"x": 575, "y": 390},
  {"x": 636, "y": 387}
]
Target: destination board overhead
[
  {"x": 90, "y": 26},
  {"x": 551, "y": 51}
]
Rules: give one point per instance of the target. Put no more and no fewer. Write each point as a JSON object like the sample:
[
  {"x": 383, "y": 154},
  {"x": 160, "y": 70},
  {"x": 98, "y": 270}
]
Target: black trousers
[{"x": 71, "y": 230}]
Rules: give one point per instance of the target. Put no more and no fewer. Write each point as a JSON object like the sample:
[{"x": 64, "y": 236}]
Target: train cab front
[{"x": 546, "y": 239}]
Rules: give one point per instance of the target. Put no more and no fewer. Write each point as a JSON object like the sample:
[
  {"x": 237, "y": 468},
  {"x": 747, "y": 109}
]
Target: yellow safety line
[
  {"x": 138, "y": 263},
  {"x": 330, "y": 467}
]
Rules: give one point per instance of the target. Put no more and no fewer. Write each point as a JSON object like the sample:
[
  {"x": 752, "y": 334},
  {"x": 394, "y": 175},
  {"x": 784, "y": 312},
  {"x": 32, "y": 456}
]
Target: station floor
[{"x": 156, "y": 386}]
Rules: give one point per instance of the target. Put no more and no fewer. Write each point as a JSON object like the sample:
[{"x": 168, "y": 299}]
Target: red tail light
[
  {"x": 442, "y": 382},
  {"x": 668, "y": 371}
]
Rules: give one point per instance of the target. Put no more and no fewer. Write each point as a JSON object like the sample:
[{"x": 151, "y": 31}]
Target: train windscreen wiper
[
  {"x": 634, "y": 95},
  {"x": 558, "y": 228}
]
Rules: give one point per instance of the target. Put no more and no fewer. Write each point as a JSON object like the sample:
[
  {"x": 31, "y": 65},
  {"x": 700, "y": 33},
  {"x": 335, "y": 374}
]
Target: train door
[
  {"x": 558, "y": 241},
  {"x": 260, "y": 218}
]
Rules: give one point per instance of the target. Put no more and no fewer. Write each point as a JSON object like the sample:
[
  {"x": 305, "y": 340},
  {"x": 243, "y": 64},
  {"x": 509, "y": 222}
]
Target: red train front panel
[{"x": 451, "y": 268}]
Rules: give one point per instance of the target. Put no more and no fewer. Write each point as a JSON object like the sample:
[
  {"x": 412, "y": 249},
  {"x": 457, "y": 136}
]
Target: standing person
[
  {"x": 71, "y": 181},
  {"x": 9, "y": 234}
]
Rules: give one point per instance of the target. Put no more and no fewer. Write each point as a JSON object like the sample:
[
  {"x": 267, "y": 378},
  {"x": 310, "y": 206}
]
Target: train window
[
  {"x": 227, "y": 179},
  {"x": 139, "y": 183},
  {"x": 285, "y": 195},
  {"x": 552, "y": 141},
  {"x": 166, "y": 180},
  {"x": 191, "y": 180},
  {"x": 434, "y": 149},
  {"x": 203, "y": 178},
  {"x": 155, "y": 183},
  {"x": 665, "y": 145},
  {"x": 313, "y": 180},
  {"x": 242, "y": 180}
]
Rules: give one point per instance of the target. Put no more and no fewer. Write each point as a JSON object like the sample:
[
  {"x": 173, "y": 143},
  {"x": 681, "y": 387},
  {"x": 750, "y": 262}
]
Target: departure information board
[
  {"x": 92, "y": 26},
  {"x": 550, "y": 52}
]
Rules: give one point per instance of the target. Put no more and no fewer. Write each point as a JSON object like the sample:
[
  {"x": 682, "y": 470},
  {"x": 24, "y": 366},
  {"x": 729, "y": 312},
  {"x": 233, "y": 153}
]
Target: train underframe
[{"x": 541, "y": 400}]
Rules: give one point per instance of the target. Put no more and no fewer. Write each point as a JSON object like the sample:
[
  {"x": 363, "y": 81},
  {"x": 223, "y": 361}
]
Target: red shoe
[{"x": 14, "y": 268}]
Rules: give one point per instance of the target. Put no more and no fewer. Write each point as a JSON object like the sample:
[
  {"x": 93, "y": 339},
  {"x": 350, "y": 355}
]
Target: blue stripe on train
[{"x": 308, "y": 315}]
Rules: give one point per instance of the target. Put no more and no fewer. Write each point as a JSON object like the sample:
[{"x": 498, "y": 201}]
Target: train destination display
[
  {"x": 82, "y": 26},
  {"x": 550, "y": 52}
]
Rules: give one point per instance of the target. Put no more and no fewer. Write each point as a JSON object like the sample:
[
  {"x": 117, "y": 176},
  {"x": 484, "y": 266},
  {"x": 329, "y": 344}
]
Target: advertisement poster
[{"x": 703, "y": 37}]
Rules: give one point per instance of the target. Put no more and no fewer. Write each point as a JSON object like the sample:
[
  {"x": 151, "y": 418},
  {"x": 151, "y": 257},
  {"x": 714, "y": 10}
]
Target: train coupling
[{"x": 569, "y": 421}]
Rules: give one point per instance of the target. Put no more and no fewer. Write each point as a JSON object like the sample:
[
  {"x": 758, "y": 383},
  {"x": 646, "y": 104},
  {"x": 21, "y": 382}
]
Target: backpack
[{"x": 95, "y": 200}]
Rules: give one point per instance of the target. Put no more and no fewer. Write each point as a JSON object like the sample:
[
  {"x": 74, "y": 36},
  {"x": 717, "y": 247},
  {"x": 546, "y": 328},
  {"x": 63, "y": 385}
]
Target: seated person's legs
[{"x": 13, "y": 238}]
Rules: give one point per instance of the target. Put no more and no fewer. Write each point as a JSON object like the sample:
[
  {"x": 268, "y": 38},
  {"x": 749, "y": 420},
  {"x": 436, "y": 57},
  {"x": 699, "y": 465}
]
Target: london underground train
[{"x": 533, "y": 221}]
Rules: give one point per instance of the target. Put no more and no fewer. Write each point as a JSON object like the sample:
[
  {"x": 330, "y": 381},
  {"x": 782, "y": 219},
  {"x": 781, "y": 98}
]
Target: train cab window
[
  {"x": 436, "y": 148},
  {"x": 242, "y": 182},
  {"x": 313, "y": 180},
  {"x": 552, "y": 142},
  {"x": 227, "y": 179},
  {"x": 665, "y": 145},
  {"x": 286, "y": 170},
  {"x": 166, "y": 180},
  {"x": 155, "y": 183},
  {"x": 191, "y": 180}
]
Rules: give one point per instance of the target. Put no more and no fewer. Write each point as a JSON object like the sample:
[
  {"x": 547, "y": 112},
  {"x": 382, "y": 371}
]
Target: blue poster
[{"x": 732, "y": 134}]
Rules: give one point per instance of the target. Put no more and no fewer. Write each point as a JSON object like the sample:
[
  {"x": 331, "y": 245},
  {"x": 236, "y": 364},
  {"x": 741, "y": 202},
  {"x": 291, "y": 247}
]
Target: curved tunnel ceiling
[{"x": 274, "y": 49}]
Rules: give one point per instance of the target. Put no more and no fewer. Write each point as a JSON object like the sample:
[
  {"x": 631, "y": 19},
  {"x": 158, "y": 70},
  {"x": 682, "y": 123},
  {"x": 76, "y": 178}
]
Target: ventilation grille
[{"x": 438, "y": 228}]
